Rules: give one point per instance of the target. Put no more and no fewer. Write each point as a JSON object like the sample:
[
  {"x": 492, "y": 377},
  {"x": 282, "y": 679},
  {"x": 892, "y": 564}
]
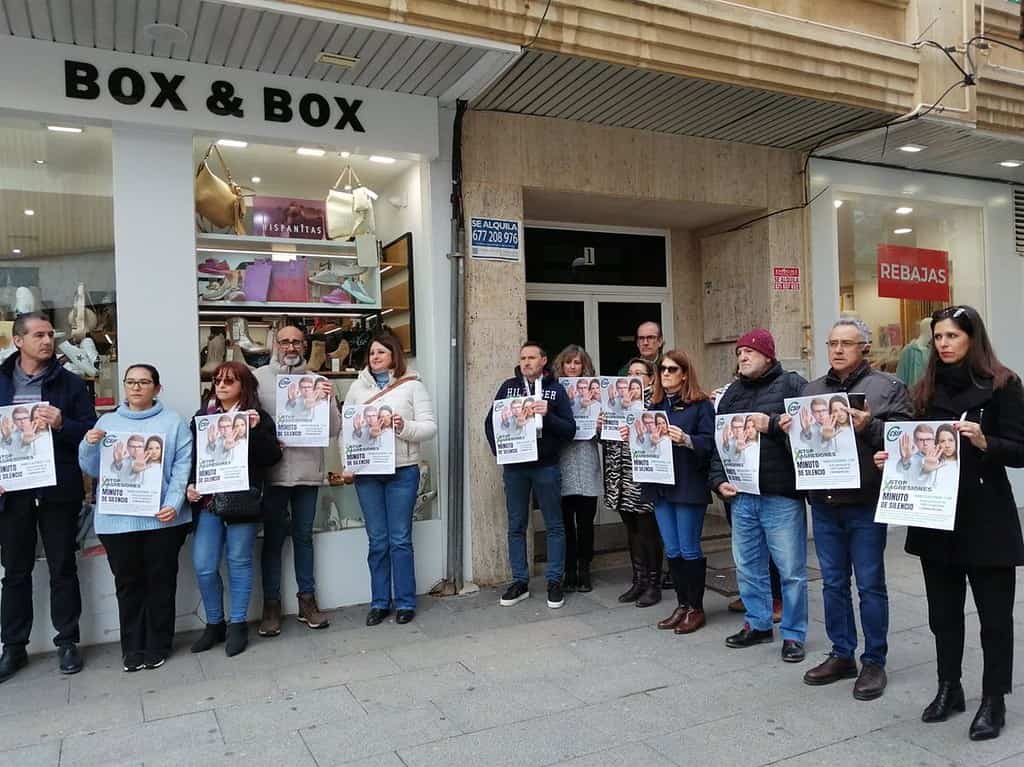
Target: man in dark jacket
[
  {"x": 774, "y": 521},
  {"x": 542, "y": 476},
  {"x": 846, "y": 535},
  {"x": 33, "y": 375}
]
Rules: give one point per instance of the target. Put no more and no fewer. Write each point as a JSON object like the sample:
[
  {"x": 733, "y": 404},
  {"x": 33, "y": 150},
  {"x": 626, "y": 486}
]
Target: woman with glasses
[
  {"x": 623, "y": 495},
  {"x": 142, "y": 551},
  {"x": 965, "y": 383},
  {"x": 229, "y": 521}
]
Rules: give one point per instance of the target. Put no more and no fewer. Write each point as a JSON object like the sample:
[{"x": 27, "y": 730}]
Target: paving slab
[
  {"x": 43, "y": 755},
  {"x": 479, "y": 708},
  {"x": 286, "y": 714},
  {"x": 135, "y": 744},
  {"x": 272, "y": 751}
]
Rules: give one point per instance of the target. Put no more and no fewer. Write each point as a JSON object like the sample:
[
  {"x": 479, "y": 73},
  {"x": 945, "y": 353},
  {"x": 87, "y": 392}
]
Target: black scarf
[{"x": 958, "y": 389}]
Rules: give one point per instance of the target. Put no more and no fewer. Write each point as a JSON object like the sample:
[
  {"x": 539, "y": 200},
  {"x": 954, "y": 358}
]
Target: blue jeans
[
  {"x": 546, "y": 484},
  {"x": 387, "y": 502},
  {"x": 775, "y": 524},
  {"x": 276, "y": 527},
  {"x": 681, "y": 525},
  {"x": 849, "y": 541},
  {"x": 212, "y": 536}
]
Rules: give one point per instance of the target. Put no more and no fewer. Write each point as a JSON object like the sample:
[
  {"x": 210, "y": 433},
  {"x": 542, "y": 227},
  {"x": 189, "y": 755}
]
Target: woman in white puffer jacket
[{"x": 388, "y": 500}]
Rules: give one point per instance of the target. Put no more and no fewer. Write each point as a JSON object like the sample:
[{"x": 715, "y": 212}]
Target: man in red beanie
[{"x": 773, "y": 521}]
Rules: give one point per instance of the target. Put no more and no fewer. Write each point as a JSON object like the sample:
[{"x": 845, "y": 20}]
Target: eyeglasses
[
  {"x": 137, "y": 383},
  {"x": 647, "y": 339},
  {"x": 225, "y": 380},
  {"x": 844, "y": 344},
  {"x": 670, "y": 368},
  {"x": 949, "y": 312},
  {"x": 289, "y": 342}
]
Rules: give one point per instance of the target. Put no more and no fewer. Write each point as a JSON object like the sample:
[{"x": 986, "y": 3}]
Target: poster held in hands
[
  {"x": 222, "y": 452},
  {"x": 620, "y": 395},
  {"x": 585, "y": 398},
  {"x": 650, "y": 447},
  {"x": 368, "y": 436},
  {"x": 26, "y": 449},
  {"x": 739, "y": 446},
  {"x": 303, "y": 415},
  {"x": 515, "y": 430},
  {"x": 823, "y": 445},
  {"x": 921, "y": 477},
  {"x": 131, "y": 474}
]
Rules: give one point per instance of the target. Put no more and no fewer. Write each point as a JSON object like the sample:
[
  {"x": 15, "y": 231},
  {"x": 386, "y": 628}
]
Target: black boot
[
  {"x": 569, "y": 580},
  {"x": 948, "y": 699},
  {"x": 237, "y": 639},
  {"x": 583, "y": 584},
  {"x": 652, "y": 590},
  {"x": 668, "y": 579},
  {"x": 677, "y": 567},
  {"x": 634, "y": 591},
  {"x": 696, "y": 577},
  {"x": 214, "y": 633},
  {"x": 14, "y": 659},
  {"x": 990, "y": 718}
]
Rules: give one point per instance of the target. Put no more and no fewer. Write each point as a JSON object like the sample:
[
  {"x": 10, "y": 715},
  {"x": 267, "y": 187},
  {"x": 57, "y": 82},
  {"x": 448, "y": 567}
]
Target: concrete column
[{"x": 686, "y": 298}]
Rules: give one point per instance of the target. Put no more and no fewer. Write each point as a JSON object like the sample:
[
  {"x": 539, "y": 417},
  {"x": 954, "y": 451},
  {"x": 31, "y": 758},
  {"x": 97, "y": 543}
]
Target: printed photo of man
[
  {"x": 304, "y": 396},
  {"x": 18, "y": 435},
  {"x": 914, "y": 452},
  {"x": 220, "y": 441},
  {"x": 817, "y": 427},
  {"x": 129, "y": 463}
]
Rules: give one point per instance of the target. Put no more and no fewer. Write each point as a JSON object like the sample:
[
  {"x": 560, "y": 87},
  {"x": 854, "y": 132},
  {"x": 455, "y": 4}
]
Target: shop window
[
  {"x": 900, "y": 259},
  {"x": 572, "y": 257},
  {"x": 57, "y": 243}
]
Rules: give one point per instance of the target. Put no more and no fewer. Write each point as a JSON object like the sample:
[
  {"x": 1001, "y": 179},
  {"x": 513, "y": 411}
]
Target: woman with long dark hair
[
  {"x": 966, "y": 384},
  {"x": 228, "y": 522}
]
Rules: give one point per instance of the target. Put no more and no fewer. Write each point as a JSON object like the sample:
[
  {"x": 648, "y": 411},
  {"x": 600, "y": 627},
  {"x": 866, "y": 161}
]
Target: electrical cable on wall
[{"x": 540, "y": 26}]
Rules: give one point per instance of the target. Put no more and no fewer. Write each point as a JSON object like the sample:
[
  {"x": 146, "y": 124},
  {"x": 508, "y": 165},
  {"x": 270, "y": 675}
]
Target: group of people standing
[
  {"x": 963, "y": 383},
  {"x": 142, "y": 551}
]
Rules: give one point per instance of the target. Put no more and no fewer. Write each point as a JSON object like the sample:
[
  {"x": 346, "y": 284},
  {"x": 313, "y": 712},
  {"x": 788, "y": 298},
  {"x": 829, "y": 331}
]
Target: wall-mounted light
[
  {"x": 382, "y": 159},
  {"x": 63, "y": 129}
]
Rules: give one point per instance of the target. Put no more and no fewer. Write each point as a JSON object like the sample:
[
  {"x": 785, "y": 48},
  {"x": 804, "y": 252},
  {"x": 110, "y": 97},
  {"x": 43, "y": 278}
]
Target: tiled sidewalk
[{"x": 471, "y": 683}]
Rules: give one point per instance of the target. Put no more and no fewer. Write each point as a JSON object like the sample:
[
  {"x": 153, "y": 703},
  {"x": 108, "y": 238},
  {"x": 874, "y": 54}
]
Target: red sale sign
[{"x": 913, "y": 273}]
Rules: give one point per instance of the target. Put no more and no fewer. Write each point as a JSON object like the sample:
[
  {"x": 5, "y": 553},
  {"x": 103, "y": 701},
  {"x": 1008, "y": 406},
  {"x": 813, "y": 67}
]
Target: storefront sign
[
  {"x": 913, "y": 273},
  {"x": 287, "y": 217},
  {"x": 496, "y": 239},
  {"x": 786, "y": 277}
]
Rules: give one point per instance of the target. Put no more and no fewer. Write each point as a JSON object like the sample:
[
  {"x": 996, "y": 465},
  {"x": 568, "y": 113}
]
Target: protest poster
[
  {"x": 585, "y": 399},
  {"x": 131, "y": 474},
  {"x": 26, "y": 448},
  {"x": 822, "y": 442},
  {"x": 515, "y": 430},
  {"x": 303, "y": 416},
  {"x": 650, "y": 447},
  {"x": 222, "y": 452},
  {"x": 921, "y": 478},
  {"x": 620, "y": 395},
  {"x": 739, "y": 446},
  {"x": 368, "y": 436}
]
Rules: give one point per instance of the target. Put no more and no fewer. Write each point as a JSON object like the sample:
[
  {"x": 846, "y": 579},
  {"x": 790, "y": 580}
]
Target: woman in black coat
[{"x": 965, "y": 383}]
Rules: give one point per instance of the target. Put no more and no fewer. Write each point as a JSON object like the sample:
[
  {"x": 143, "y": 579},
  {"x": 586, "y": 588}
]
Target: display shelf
[
  {"x": 311, "y": 309},
  {"x": 253, "y": 245},
  {"x": 390, "y": 268}
]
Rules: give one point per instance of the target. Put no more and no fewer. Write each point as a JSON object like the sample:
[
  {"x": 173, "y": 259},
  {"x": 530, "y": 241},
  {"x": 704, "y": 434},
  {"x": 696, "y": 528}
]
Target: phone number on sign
[{"x": 496, "y": 233}]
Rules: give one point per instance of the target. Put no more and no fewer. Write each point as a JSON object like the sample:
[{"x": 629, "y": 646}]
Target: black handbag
[{"x": 239, "y": 506}]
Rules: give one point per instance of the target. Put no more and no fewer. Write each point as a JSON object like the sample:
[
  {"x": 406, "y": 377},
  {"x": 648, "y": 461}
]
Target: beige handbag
[
  {"x": 220, "y": 202},
  {"x": 349, "y": 209}
]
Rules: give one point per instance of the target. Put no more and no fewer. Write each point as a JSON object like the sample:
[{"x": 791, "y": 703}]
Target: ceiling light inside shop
[
  {"x": 16, "y": 252},
  {"x": 382, "y": 159},
  {"x": 63, "y": 129},
  {"x": 232, "y": 142},
  {"x": 345, "y": 155},
  {"x": 1011, "y": 163},
  {"x": 29, "y": 212},
  {"x": 306, "y": 151},
  {"x": 39, "y": 162},
  {"x": 902, "y": 230},
  {"x": 904, "y": 211},
  {"x": 837, "y": 203},
  {"x": 336, "y": 60},
  {"x": 255, "y": 179},
  {"x": 912, "y": 148}
]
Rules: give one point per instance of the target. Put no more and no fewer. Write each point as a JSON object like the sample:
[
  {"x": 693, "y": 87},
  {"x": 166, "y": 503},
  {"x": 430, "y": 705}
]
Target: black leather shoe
[
  {"x": 949, "y": 698},
  {"x": 748, "y": 637},
  {"x": 69, "y": 659},
  {"x": 871, "y": 682},
  {"x": 376, "y": 615},
  {"x": 14, "y": 659},
  {"x": 793, "y": 651},
  {"x": 990, "y": 718},
  {"x": 404, "y": 616}
]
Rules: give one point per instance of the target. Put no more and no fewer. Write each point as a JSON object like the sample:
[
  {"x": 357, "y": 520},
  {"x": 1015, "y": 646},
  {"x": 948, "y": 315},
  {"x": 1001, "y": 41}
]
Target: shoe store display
[
  {"x": 240, "y": 335},
  {"x": 338, "y": 296},
  {"x": 317, "y": 356},
  {"x": 216, "y": 350},
  {"x": 358, "y": 292},
  {"x": 213, "y": 266},
  {"x": 341, "y": 353},
  {"x": 79, "y": 361}
]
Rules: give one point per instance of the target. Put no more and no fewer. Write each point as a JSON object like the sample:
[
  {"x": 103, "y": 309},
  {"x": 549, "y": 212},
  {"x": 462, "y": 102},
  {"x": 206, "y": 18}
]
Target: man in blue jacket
[
  {"x": 542, "y": 476},
  {"x": 33, "y": 375}
]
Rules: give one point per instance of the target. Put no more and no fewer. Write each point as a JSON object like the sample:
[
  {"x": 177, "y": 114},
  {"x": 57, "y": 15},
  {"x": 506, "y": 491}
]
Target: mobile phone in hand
[{"x": 857, "y": 401}]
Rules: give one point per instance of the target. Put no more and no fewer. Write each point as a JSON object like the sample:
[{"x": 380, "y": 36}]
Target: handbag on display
[
  {"x": 256, "y": 281},
  {"x": 220, "y": 202},
  {"x": 349, "y": 209},
  {"x": 289, "y": 282}
]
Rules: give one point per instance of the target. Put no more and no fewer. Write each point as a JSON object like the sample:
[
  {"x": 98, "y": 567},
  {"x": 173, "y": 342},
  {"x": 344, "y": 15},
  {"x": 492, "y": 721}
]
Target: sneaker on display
[
  {"x": 357, "y": 291},
  {"x": 515, "y": 594}
]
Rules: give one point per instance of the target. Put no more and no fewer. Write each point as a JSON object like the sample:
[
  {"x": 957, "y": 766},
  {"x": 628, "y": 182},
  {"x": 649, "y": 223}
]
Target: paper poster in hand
[
  {"x": 131, "y": 474},
  {"x": 368, "y": 436},
  {"x": 650, "y": 447},
  {"x": 822, "y": 442},
  {"x": 222, "y": 452},
  {"x": 585, "y": 399},
  {"x": 921, "y": 478},
  {"x": 739, "y": 447},
  {"x": 515, "y": 430},
  {"x": 303, "y": 414},
  {"x": 26, "y": 448},
  {"x": 620, "y": 395}
]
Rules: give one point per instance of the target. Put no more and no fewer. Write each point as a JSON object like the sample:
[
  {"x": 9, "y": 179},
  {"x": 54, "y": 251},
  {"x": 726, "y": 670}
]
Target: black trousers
[
  {"x": 578, "y": 512},
  {"x": 57, "y": 524},
  {"x": 145, "y": 567},
  {"x": 993, "y": 589},
  {"x": 645, "y": 546}
]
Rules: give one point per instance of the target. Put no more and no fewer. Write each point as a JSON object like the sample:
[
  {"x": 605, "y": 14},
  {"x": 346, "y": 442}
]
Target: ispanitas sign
[{"x": 913, "y": 273}]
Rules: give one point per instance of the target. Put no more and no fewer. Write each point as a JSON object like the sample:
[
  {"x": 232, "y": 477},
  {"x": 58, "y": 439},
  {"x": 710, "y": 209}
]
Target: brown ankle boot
[
  {"x": 270, "y": 626},
  {"x": 693, "y": 620},
  {"x": 310, "y": 614}
]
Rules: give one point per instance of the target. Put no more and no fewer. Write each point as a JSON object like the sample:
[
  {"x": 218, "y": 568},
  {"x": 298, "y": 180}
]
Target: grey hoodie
[{"x": 299, "y": 465}]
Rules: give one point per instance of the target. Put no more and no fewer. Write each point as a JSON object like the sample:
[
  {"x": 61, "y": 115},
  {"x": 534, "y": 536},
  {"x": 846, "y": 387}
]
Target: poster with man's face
[
  {"x": 585, "y": 399},
  {"x": 620, "y": 395},
  {"x": 921, "y": 478},
  {"x": 368, "y": 439},
  {"x": 650, "y": 447},
  {"x": 222, "y": 452},
  {"x": 739, "y": 446},
  {"x": 303, "y": 416},
  {"x": 515, "y": 430},
  {"x": 823, "y": 443},
  {"x": 131, "y": 474},
  {"x": 26, "y": 448}
]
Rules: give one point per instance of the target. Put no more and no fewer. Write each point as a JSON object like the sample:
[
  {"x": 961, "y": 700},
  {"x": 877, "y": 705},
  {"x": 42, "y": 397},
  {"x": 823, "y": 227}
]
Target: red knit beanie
[{"x": 760, "y": 341}]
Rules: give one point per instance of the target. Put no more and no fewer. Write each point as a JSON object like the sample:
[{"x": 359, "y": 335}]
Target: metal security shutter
[{"x": 1018, "y": 220}]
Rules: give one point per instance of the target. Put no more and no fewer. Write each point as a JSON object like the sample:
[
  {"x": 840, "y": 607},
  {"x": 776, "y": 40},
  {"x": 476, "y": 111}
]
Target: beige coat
[{"x": 411, "y": 401}]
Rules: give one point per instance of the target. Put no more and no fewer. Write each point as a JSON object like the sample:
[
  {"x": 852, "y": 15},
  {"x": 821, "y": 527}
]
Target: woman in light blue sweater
[{"x": 143, "y": 550}]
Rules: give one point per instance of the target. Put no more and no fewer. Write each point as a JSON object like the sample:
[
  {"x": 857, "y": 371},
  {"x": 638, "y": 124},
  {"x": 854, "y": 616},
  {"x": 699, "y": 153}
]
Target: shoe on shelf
[
  {"x": 133, "y": 661},
  {"x": 213, "y": 266},
  {"x": 337, "y": 296},
  {"x": 237, "y": 639},
  {"x": 309, "y": 612},
  {"x": 14, "y": 659},
  {"x": 948, "y": 699},
  {"x": 69, "y": 659},
  {"x": 556, "y": 598},
  {"x": 871, "y": 682},
  {"x": 748, "y": 637},
  {"x": 270, "y": 624},
  {"x": 832, "y": 669},
  {"x": 214, "y": 633},
  {"x": 990, "y": 719},
  {"x": 404, "y": 616},
  {"x": 515, "y": 594},
  {"x": 357, "y": 291},
  {"x": 376, "y": 615},
  {"x": 737, "y": 606},
  {"x": 793, "y": 651},
  {"x": 776, "y": 611}
]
